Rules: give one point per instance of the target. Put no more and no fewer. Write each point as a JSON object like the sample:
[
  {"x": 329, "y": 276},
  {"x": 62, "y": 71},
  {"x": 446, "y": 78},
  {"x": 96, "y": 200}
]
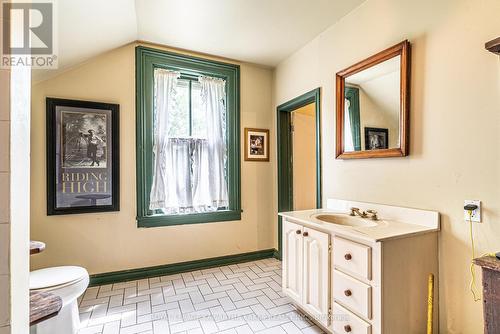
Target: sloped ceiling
[
  {"x": 87, "y": 28},
  {"x": 258, "y": 31}
]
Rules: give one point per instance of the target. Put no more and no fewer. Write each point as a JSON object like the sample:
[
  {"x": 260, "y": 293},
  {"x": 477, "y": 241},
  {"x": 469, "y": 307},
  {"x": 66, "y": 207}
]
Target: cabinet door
[
  {"x": 316, "y": 296},
  {"x": 292, "y": 260}
]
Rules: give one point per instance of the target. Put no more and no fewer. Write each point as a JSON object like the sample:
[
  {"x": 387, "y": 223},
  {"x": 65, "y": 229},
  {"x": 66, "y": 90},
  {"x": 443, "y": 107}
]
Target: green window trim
[
  {"x": 352, "y": 94},
  {"x": 147, "y": 59}
]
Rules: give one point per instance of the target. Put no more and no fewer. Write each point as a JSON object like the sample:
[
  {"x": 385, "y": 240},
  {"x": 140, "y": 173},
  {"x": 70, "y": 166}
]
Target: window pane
[
  {"x": 178, "y": 116},
  {"x": 199, "y": 123},
  {"x": 197, "y": 160}
]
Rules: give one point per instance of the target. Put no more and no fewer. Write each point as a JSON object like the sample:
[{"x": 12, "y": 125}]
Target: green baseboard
[
  {"x": 175, "y": 268},
  {"x": 277, "y": 254}
]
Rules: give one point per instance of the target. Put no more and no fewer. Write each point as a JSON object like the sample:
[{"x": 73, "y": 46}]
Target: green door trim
[{"x": 284, "y": 148}]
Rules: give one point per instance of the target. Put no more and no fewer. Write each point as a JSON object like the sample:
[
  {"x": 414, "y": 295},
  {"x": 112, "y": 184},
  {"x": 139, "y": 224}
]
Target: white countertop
[{"x": 384, "y": 229}]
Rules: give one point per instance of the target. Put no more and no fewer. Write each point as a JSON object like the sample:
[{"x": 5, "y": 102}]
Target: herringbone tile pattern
[{"x": 241, "y": 298}]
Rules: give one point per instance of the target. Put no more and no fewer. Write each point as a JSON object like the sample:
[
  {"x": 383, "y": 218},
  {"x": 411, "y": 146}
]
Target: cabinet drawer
[
  {"x": 344, "y": 321},
  {"x": 355, "y": 295},
  {"x": 352, "y": 257}
]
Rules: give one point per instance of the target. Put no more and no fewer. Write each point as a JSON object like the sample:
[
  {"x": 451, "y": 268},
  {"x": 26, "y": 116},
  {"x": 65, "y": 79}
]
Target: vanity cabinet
[
  {"x": 306, "y": 274},
  {"x": 315, "y": 293},
  {"x": 352, "y": 285},
  {"x": 293, "y": 263}
]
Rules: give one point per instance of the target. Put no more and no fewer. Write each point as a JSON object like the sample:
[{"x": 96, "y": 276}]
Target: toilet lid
[{"x": 50, "y": 277}]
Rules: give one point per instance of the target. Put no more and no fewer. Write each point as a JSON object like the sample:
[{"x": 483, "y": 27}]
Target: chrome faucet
[
  {"x": 355, "y": 211},
  {"x": 372, "y": 214}
]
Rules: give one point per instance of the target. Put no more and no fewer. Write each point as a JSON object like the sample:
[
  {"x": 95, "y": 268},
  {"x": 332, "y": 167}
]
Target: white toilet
[{"x": 67, "y": 282}]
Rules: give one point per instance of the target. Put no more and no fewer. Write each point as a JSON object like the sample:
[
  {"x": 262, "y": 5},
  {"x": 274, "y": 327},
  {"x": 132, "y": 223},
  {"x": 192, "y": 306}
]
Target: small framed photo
[
  {"x": 376, "y": 138},
  {"x": 82, "y": 157},
  {"x": 256, "y": 144}
]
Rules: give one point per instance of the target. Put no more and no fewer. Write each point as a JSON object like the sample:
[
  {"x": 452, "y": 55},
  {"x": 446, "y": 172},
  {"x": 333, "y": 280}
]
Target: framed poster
[
  {"x": 82, "y": 157},
  {"x": 256, "y": 144},
  {"x": 376, "y": 138}
]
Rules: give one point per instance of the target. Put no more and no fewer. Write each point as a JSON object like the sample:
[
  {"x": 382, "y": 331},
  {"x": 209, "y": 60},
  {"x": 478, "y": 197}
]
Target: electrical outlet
[{"x": 476, "y": 214}]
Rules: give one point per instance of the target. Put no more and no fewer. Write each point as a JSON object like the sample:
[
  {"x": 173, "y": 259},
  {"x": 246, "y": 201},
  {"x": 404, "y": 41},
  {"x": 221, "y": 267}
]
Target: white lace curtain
[{"x": 189, "y": 173}]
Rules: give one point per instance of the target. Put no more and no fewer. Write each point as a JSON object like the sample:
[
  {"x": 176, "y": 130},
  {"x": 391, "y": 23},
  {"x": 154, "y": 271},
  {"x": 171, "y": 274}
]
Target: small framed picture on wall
[
  {"x": 376, "y": 138},
  {"x": 256, "y": 144},
  {"x": 82, "y": 157}
]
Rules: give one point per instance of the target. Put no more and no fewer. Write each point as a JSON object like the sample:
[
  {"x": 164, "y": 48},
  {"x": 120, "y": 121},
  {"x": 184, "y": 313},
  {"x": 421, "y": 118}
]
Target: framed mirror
[{"x": 373, "y": 106}]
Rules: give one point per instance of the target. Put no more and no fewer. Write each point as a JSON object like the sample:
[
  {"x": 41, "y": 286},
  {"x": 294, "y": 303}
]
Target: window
[
  {"x": 187, "y": 139},
  {"x": 187, "y": 117}
]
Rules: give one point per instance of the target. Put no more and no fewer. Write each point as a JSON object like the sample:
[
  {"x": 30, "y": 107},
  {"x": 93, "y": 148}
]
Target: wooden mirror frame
[{"x": 402, "y": 49}]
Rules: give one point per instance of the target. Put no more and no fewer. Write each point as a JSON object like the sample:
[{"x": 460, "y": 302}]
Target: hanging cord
[{"x": 472, "y": 284}]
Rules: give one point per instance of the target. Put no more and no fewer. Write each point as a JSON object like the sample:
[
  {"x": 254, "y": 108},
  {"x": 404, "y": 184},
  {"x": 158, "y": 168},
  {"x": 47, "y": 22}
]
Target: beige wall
[
  {"x": 304, "y": 157},
  {"x": 111, "y": 241},
  {"x": 455, "y": 125}
]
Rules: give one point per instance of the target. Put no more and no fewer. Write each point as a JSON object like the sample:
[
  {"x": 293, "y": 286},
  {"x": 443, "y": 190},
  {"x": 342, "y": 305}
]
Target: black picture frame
[
  {"x": 383, "y": 138},
  {"x": 84, "y": 166}
]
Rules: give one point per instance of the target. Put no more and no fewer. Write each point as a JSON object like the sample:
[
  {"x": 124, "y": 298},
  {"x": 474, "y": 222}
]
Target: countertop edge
[
  {"x": 43, "y": 306},
  {"x": 346, "y": 232}
]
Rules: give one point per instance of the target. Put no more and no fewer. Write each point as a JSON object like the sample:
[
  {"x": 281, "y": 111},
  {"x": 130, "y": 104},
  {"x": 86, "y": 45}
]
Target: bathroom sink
[{"x": 344, "y": 220}]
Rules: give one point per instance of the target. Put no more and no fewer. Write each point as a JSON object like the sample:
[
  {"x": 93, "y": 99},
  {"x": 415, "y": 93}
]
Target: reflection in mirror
[{"x": 372, "y": 107}]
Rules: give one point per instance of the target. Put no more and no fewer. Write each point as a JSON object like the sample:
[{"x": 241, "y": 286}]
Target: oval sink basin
[{"x": 344, "y": 220}]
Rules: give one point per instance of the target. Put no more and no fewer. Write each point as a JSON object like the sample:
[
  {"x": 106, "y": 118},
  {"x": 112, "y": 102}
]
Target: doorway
[
  {"x": 299, "y": 155},
  {"x": 303, "y": 129}
]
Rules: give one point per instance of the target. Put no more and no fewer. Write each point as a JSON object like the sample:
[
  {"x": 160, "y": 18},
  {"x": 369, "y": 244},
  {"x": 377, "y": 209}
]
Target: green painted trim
[
  {"x": 196, "y": 218},
  {"x": 284, "y": 147},
  {"x": 147, "y": 59},
  {"x": 276, "y": 254},
  {"x": 175, "y": 268},
  {"x": 352, "y": 94}
]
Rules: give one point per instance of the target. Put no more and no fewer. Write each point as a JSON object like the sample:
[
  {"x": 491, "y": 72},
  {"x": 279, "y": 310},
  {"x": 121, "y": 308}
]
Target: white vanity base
[{"x": 348, "y": 281}]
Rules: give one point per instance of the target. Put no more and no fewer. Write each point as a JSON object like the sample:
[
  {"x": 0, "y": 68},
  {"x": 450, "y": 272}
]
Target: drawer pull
[
  {"x": 347, "y": 328},
  {"x": 348, "y": 293},
  {"x": 298, "y": 231},
  {"x": 305, "y": 234},
  {"x": 348, "y": 257}
]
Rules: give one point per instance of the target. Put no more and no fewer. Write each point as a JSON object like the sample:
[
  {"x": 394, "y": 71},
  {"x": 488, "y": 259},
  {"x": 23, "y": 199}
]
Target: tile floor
[{"x": 241, "y": 298}]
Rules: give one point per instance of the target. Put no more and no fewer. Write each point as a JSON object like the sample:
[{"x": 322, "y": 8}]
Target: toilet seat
[
  {"x": 69, "y": 283},
  {"x": 56, "y": 277}
]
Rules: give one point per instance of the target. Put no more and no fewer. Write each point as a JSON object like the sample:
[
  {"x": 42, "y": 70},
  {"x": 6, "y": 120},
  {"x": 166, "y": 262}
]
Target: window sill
[{"x": 193, "y": 218}]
